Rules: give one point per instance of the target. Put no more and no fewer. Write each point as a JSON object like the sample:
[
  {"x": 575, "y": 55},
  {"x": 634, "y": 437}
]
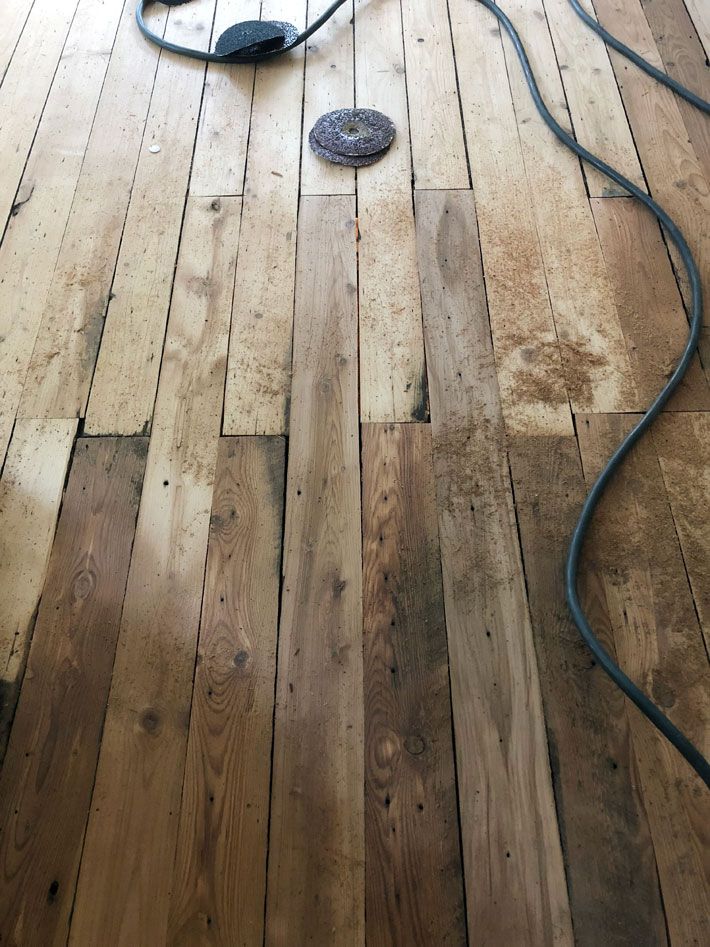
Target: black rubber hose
[
  {"x": 645, "y": 705},
  {"x": 639, "y": 61},
  {"x": 236, "y": 58}
]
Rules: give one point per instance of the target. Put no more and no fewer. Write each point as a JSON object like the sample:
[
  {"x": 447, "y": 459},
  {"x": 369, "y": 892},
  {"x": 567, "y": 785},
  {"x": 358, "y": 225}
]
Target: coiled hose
[{"x": 691, "y": 753}]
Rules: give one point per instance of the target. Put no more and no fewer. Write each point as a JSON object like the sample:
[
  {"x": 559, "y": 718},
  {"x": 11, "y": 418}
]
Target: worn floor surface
[{"x": 290, "y": 458}]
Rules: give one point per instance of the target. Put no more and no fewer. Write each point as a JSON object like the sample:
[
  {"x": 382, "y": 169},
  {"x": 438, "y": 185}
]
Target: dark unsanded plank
[
  {"x": 515, "y": 882},
  {"x": 316, "y": 845},
  {"x": 414, "y": 889},
  {"x": 220, "y": 871},
  {"x": 614, "y": 892},
  {"x": 634, "y": 546},
  {"x": 49, "y": 769}
]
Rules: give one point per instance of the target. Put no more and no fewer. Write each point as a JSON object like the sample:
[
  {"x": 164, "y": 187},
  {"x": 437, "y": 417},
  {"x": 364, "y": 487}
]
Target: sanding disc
[
  {"x": 354, "y": 131},
  {"x": 352, "y": 161},
  {"x": 256, "y": 36}
]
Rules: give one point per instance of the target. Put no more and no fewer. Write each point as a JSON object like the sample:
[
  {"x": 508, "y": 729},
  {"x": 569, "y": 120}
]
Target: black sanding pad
[
  {"x": 253, "y": 37},
  {"x": 354, "y": 131},
  {"x": 352, "y": 161}
]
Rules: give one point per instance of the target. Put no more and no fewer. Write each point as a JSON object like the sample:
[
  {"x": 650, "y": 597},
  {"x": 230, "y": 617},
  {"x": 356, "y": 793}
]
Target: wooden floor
[{"x": 290, "y": 459}]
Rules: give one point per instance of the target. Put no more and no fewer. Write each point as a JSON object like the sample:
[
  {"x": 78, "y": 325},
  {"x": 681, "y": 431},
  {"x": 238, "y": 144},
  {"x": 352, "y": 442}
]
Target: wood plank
[
  {"x": 410, "y": 782},
  {"x": 529, "y": 366},
  {"x": 49, "y": 770},
  {"x": 672, "y": 168},
  {"x": 683, "y": 58},
  {"x": 614, "y": 893},
  {"x": 316, "y": 867},
  {"x": 392, "y": 373},
  {"x": 438, "y": 150},
  {"x": 598, "y": 374},
  {"x": 26, "y": 85},
  {"x": 515, "y": 882},
  {"x": 70, "y": 312},
  {"x": 224, "y": 813},
  {"x": 126, "y": 873},
  {"x": 14, "y": 16},
  {"x": 659, "y": 645},
  {"x": 128, "y": 363},
  {"x": 30, "y": 247},
  {"x": 330, "y": 84},
  {"x": 683, "y": 446},
  {"x": 259, "y": 366},
  {"x": 700, "y": 16},
  {"x": 648, "y": 300},
  {"x": 223, "y": 133},
  {"x": 30, "y": 495},
  {"x": 591, "y": 92}
]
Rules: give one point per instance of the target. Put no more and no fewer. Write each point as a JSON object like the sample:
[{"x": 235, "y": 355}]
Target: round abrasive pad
[
  {"x": 352, "y": 161},
  {"x": 354, "y": 131},
  {"x": 256, "y": 36}
]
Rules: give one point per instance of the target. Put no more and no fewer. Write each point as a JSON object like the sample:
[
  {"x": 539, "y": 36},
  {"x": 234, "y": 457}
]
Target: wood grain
[
  {"x": 528, "y": 362},
  {"x": 220, "y": 866},
  {"x": 26, "y": 85},
  {"x": 515, "y": 883},
  {"x": 128, "y": 360},
  {"x": 30, "y": 495},
  {"x": 438, "y": 150},
  {"x": 33, "y": 238},
  {"x": 635, "y": 548},
  {"x": 649, "y": 303},
  {"x": 259, "y": 368},
  {"x": 49, "y": 769},
  {"x": 126, "y": 873},
  {"x": 614, "y": 892},
  {"x": 414, "y": 890},
  {"x": 219, "y": 162},
  {"x": 316, "y": 848},
  {"x": 683, "y": 446},
  {"x": 72, "y": 309}
]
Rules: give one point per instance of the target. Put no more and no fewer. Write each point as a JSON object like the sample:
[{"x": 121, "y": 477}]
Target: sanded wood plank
[
  {"x": 126, "y": 872},
  {"x": 438, "y": 150},
  {"x": 659, "y": 645},
  {"x": 71, "y": 310},
  {"x": 14, "y": 16},
  {"x": 529, "y": 366},
  {"x": 34, "y": 234},
  {"x": 220, "y": 871},
  {"x": 49, "y": 770},
  {"x": 598, "y": 374},
  {"x": 700, "y": 15},
  {"x": 613, "y": 888},
  {"x": 410, "y": 783},
  {"x": 25, "y": 87},
  {"x": 30, "y": 494},
  {"x": 123, "y": 389},
  {"x": 392, "y": 376},
  {"x": 515, "y": 883},
  {"x": 223, "y": 132},
  {"x": 683, "y": 445},
  {"x": 316, "y": 843},
  {"x": 649, "y": 302},
  {"x": 595, "y": 105},
  {"x": 683, "y": 58},
  {"x": 259, "y": 366},
  {"x": 330, "y": 84},
  {"x": 672, "y": 168}
]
